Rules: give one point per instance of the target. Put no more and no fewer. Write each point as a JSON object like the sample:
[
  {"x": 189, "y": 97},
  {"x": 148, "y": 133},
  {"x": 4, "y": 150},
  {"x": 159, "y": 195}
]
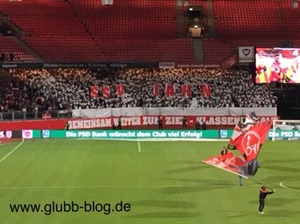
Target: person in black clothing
[
  {"x": 67, "y": 126},
  {"x": 184, "y": 120},
  {"x": 197, "y": 125},
  {"x": 2, "y": 57},
  {"x": 120, "y": 123},
  {"x": 262, "y": 196},
  {"x": 160, "y": 124},
  {"x": 11, "y": 56},
  {"x": 224, "y": 151},
  {"x": 204, "y": 126}
]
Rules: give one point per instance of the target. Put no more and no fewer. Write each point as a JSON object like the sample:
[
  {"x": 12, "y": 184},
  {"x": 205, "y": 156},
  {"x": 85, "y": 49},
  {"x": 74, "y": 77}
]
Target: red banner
[
  {"x": 155, "y": 90},
  {"x": 170, "y": 90},
  {"x": 94, "y": 92},
  {"x": 120, "y": 89},
  {"x": 230, "y": 62},
  {"x": 186, "y": 90},
  {"x": 205, "y": 90},
  {"x": 106, "y": 91}
]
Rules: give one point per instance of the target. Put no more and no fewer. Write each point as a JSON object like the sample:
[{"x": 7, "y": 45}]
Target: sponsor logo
[
  {"x": 166, "y": 65},
  {"x": 246, "y": 54},
  {"x": 246, "y": 51},
  {"x": 8, "y": 134},
  {"x": 27, "y": 134},
  {"x": 251, "y": 142},
  {"x": 5, "y": 134},
  {"x": 223, "y": 134},
  {"x": 46, "y": 134}
]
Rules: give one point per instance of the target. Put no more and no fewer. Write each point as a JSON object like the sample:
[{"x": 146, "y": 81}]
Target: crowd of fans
[{"x": 62, "y": 89}]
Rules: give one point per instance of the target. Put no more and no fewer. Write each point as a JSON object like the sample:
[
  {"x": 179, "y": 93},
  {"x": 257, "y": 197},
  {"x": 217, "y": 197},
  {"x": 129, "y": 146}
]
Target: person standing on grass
[
  {"x": 224, "y": 151},
  {"x": 262, "y": 196},
  {"x": 240, "y": 180}
]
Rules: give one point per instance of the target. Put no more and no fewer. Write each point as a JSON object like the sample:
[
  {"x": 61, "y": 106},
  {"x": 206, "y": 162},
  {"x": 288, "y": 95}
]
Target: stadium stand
[
  {"x": 144, "y": 30},
  {"x": 290, "y": 17},
  {"x": 70, "y": 89},
  {"x": 238, "y": 19},
  {"x": 10, "y": 46},
  {"x": 133, "y": 30},
  {"x": 52, "y": 30}
]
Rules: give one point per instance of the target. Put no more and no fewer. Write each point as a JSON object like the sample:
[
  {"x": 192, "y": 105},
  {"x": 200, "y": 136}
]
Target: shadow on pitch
[
  {"x": 164, "y": 204},
  {"x": 275, "y": 180},
  {"x": 276, "y": 202},
  {"x": 278, "y": 161},
  {"x": 271, "y": 214},
  {"x": 186, "y": 162},
  {"x": 237, "y": 214},
  {"x": 166, "y": 215},
  {"x": 202, "y": 181},
  {"x": 187, "y": 169},
  {"x": 283, "y": 168},
  {"x": 189, "y": 189},
  {"x": 282, "y": 213}
]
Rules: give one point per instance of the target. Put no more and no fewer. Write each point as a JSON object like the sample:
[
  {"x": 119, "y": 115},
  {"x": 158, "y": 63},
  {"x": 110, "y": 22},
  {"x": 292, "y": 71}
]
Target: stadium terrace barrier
[
  {"x": 232, "y": 112},
  {"x": 165, "y": 65},
  {"x": 130, "y": 122}
]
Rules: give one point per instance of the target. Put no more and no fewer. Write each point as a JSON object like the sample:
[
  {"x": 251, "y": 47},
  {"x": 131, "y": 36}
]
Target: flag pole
[{"x": 255, "y": 181}]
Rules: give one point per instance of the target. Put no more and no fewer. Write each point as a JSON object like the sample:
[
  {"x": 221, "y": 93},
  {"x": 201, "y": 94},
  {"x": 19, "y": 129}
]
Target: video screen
[{"x": 281, "y": 65}]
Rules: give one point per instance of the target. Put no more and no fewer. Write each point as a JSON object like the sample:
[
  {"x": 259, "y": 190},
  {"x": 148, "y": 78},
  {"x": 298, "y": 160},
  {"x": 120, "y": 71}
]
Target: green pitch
[{"x": 165, "y": 183}]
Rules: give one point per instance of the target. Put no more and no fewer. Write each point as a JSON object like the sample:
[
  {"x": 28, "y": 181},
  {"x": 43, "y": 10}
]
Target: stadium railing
[{"x": 24, "y": 115}]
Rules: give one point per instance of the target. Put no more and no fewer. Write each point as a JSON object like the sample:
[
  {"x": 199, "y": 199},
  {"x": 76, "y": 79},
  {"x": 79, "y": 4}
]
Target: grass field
[{"x": 165, "y": 183}]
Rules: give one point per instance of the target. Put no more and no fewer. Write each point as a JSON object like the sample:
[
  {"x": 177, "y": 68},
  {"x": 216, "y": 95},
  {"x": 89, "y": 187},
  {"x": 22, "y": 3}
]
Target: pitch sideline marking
[
  {"x": 95, "y": 187},
  {"x": 287, "y": 188},
  {"x": 14, "y": 149},
  {"x": 139, "y": 146}
]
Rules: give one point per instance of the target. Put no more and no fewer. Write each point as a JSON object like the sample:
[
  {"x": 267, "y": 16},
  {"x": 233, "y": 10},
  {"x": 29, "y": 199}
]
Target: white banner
[
  {"x": 172, "y": 111},
  {"x": 149, "y": 120},
  {"x": 246, "y": 54}
]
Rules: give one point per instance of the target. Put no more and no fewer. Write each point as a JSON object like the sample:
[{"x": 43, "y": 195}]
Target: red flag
[
  {"x": 237, "y": 131},
  {"x": 94, "y": 92},
  {"x": 170, "y": 90},
  {"x": 186, "y": 90},
  {"x": 227, "y": 162},
  {"x": 250, "y": 142},
  {"x": 205, "y": 90},
  {"x": 234, "y": 164},
  {"x": 155, "y": 90},
  {"x": 120, "y": 89},
  {"x": 106, "y": 91}
]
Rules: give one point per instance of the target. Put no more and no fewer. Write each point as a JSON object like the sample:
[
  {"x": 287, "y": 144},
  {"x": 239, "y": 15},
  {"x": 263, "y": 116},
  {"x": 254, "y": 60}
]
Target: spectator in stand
[
  {"x": 64, "y": 89},
  {"x": 11, "y": 56},
  {"x": 2, "y": 57}
]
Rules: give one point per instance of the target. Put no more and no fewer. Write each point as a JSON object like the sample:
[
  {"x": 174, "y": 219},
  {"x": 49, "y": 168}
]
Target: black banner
[{"x": 80, "y": 65}]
